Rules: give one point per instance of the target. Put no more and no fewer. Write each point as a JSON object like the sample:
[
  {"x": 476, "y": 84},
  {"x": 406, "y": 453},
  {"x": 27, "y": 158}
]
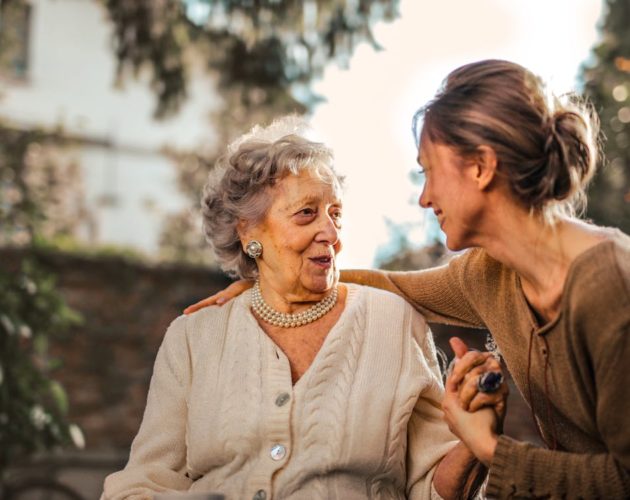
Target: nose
[
  {"x": 424, "y": 200},
  {"x": 328, "y": 231}
]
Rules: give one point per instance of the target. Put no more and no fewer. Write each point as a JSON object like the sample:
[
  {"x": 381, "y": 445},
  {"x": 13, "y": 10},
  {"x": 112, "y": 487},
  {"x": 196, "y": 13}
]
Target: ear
[
  {"x": 243, "y": 231},
  {"x": 485, "y": 167}
]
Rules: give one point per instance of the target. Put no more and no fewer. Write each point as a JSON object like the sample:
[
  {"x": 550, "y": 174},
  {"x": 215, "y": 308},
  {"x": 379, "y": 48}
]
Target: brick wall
[{"x": 108, "y": 360}]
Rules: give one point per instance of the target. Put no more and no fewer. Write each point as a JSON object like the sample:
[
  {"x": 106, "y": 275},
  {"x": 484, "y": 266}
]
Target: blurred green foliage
[
  {"x": 607, "y": 83},
  {"x": 269, "y": 46},
  {"x": 33, "y": 405}
]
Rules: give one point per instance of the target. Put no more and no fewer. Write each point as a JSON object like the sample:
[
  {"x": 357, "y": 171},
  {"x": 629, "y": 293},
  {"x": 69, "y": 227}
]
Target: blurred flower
[
  {"x": 39, "y": 417},
  {"x": 25, "y": 331},
  {"x": 29, "y": 285},
  {"x": 7, "y": 324},
  {"x": 77, "y": 436}
]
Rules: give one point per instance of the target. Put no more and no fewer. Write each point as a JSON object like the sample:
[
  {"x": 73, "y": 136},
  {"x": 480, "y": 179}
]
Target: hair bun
[{"x": 571, "y": 154}]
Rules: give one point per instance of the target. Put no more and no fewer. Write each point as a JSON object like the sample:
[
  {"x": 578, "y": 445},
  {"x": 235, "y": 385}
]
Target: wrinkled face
[
  {"x": 450, "y": 191},
  {"x": 300, "y": 237}
]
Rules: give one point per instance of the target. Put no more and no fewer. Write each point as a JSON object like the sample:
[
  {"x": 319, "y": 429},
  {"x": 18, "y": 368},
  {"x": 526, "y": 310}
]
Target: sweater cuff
[{"x": 498, "y": 475}]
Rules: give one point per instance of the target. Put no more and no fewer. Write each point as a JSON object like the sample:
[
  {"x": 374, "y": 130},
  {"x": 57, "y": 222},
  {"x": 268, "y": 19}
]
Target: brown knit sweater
[{"x": 572, "y": 371}]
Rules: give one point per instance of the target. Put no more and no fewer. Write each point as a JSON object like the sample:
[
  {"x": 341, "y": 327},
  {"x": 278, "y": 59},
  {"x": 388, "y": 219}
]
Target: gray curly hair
[{"x": 238, "y": 187}]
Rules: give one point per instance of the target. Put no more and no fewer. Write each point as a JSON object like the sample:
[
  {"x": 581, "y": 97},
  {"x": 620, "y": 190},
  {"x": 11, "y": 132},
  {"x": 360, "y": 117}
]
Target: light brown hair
[{"x": 547, "y": 148}]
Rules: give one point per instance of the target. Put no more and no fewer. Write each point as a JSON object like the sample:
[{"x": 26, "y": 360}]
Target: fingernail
[{"x": 220, "y": 301}]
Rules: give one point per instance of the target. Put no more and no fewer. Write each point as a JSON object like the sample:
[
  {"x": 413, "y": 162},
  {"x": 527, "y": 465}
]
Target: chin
[
  {"x": 457, "y": 243},
  {"x": 322, "y": 284},
  {"x": 453, "y": 246}
]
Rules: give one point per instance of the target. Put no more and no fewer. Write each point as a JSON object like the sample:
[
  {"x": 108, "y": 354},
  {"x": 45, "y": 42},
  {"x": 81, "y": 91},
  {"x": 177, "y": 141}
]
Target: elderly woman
[{"x": 301, "y": 387}]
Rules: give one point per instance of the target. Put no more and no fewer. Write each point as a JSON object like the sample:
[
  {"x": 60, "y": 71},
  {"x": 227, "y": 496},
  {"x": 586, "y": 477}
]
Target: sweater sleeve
[
  {"x": 157, "y": 460},
  {"x": 441, "y": 294},
  {"x": 522, "y": 469},
  {"x": 428, "y": 436}
]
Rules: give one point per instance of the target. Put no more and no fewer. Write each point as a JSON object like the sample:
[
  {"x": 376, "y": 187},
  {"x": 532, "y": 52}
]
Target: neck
[
  {"x": 535, "y": 250},
  {"x": 290, "y": 301},
  {"x": 540, "y": 253}
]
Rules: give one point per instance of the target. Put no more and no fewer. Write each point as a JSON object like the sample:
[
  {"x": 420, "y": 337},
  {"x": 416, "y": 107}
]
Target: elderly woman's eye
[
  {"x": 307, "y": 212},
  {"x": 336, "y": 215}
]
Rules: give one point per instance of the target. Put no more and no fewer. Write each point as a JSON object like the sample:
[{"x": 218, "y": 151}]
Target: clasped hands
[{"x": 473, "y": 416}]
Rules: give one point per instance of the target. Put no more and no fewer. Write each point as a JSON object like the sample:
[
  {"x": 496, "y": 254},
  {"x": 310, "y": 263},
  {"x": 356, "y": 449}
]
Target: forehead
[
  {"x": 435, "y": 153},
  {"x": 425, "y": 150},
  {"x": 307, "y": 185}
]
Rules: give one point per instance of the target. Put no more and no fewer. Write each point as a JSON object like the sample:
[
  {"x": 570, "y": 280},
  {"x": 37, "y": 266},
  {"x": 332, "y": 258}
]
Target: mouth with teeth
[{"x": 323, "y": 261}]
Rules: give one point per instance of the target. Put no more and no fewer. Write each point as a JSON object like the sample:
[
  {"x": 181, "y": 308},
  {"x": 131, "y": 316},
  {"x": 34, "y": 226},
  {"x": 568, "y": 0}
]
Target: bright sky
[{"x": 367, "y": 116}]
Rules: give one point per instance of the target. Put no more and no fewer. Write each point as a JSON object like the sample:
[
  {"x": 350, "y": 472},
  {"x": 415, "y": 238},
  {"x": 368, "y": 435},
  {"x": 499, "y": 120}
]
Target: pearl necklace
[{"x": 285, "y": 320}]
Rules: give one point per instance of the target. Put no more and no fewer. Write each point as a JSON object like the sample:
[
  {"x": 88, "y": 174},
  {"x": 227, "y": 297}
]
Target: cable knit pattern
[
  {"x": 325, "y": 408},
  {"x": 362, "y": 422}
]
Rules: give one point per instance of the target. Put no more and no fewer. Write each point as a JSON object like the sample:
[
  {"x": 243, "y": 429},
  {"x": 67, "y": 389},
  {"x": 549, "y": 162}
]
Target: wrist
[{"x": 485, "y": 450}]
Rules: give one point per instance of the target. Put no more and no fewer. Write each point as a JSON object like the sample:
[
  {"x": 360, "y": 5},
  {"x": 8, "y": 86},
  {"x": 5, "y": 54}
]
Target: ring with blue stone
[{"x": 489, "y": 382}]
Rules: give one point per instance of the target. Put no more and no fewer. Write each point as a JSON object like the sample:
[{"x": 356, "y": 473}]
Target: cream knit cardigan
[{"x": 364, "y": 421}]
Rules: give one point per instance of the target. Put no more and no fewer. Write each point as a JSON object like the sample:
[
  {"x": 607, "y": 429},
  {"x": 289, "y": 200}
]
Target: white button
[{"x": 278, "y": 452}]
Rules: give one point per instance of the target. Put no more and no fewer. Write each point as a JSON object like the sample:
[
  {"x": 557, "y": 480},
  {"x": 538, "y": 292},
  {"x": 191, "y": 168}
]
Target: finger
[
  {"x": 496, "y": 400},
  {"x": 469, "y": 386},
  {"x": 469, "y": 361},
  {"x": 468, "y": 389},
  {"x": 242, "y": 285},
  {"x": 459, "y": 347},
  {"x": 201, "y": 304}
]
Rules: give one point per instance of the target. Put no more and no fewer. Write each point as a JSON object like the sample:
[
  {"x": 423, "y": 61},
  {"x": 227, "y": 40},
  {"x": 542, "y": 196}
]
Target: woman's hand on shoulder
[{"x": 220, "y": 298}]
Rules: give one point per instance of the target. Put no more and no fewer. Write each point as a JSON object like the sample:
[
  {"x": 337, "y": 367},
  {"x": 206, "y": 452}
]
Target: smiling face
[
  {"x": 451, "y": 191},
  {"x": 300, "y": 238}
]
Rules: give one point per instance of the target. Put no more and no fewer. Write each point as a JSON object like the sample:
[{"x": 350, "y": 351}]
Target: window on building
[{"x": 15, "y": 18}]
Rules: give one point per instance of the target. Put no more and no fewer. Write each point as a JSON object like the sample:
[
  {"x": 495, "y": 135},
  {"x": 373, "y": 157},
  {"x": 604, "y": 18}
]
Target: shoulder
[
  {"x": 598, "y": 288},
  {"x": 603, "y": 269},
  {"x": 387, "y": 312},
  {"x": 476, "y": 268},
  {"x": 479, "y": 264},
  {"x": 210, "y": 323},
  {"x": 621, "y": 251},
  {"x": 482, "y": 278}
]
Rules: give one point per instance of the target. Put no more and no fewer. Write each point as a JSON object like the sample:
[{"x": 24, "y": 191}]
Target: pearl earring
[{"x": 254, "y": 249}]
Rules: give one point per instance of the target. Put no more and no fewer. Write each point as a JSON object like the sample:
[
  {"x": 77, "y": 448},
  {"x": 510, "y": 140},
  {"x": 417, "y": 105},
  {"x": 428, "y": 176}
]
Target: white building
[{"x": 63, "y": 74}]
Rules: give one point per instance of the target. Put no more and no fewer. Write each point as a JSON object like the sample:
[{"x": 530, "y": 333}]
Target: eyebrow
[{"x": 309, "y": 199}]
